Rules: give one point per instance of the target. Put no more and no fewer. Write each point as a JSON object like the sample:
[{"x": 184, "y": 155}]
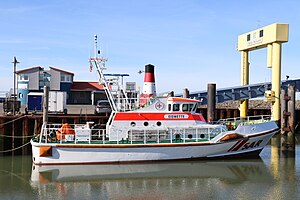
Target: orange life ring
[{"x": 66, "y": 129}]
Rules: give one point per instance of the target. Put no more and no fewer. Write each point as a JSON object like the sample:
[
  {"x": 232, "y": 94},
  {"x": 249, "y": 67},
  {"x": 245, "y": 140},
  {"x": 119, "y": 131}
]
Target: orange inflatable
[{"x": 66, "y": 129}]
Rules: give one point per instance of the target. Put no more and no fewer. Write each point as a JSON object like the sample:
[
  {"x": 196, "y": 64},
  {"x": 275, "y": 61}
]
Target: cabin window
[
  {"x": 187, "y": 107},
  {"x": 176, "y": 107},
  {"x": 169, "y": 107}
]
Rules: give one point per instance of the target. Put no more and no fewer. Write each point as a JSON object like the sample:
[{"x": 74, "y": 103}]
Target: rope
[
  {"x": 9, "y": 136},
  {"x": 12, "y": 121},
  {"x": 15, "y": 148}
]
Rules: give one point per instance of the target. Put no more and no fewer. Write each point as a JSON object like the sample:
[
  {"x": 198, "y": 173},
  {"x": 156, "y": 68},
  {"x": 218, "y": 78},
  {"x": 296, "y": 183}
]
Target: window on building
[
  {"x": 23, "y": 77},
  {"x": 65, "y": 78},
  {"x": 261, "y": 33},
  {"x": 248, "y": 37}
]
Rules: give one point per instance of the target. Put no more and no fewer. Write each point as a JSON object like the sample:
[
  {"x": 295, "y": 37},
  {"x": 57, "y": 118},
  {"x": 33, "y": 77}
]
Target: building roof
[
  {"x": 61, "y": 70},
  {"x": 29, "y": 69},
  {"x": 86, "y": 86}
]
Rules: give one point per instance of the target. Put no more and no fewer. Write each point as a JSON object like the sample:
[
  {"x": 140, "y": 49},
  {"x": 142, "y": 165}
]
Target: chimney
[{"x": 149, "y": 81}]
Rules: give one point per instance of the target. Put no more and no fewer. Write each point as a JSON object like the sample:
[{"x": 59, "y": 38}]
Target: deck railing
[
  {"x": 55, "y": 133},
  {"x": 233, "y": 123}
]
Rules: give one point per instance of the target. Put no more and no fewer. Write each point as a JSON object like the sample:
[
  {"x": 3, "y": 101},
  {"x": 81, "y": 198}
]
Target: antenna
[{"x": 95, "y": 50}]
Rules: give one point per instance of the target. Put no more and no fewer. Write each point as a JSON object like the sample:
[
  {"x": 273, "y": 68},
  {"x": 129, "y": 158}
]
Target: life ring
[{"x": 65, "y": 129}]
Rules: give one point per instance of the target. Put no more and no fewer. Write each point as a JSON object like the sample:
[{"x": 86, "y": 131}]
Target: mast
[{"x": 100, "y": 66}]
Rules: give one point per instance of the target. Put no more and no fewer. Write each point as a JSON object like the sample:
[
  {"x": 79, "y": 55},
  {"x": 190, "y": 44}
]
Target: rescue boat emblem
[{"x": 159, "y": 106}]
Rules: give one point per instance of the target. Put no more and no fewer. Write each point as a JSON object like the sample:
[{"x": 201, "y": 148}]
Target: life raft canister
[{"x": 66, "y": 129}]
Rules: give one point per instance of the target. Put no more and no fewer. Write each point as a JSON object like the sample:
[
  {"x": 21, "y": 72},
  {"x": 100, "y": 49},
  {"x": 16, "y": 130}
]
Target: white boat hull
[{"x": 124, "y": 153}]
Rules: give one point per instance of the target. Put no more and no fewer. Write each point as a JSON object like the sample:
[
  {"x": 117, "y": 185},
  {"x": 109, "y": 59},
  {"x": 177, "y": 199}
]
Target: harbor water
[{"x": 273, "y": 176}]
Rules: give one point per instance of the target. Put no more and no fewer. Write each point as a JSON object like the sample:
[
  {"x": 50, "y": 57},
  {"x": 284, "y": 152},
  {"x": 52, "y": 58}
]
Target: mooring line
[
  {"x": 2, "y": 125},
  {"x": 10, "y": 150},
  {"x": 9, "y": 136}
]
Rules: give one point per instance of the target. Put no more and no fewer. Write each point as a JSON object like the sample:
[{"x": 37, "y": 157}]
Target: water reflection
[{"x": 155, "y": 181}]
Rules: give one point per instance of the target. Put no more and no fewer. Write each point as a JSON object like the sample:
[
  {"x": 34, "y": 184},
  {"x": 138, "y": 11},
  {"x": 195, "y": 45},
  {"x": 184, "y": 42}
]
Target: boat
[{"x": 149, "y": 128}]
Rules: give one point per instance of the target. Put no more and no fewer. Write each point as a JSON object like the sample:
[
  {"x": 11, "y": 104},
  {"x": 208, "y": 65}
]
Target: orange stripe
[
  {"x": 179, "y": 99},
  {"x": 155, "y": 116}
]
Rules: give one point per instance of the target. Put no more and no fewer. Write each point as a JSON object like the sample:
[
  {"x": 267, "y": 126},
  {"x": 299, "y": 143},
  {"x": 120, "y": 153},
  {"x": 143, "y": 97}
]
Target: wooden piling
[
  {"x": 1, "y": 136},
  {"x": 211, "y": 102},
  {"x": 45, "y": 104},
  {"x": 291, "y": 120},
  {"x": 186, "y": 93},
  {"x": 13, "y": 136},
  {"x": 25, "y": 131},
  {"x": 283, "y": 120}
]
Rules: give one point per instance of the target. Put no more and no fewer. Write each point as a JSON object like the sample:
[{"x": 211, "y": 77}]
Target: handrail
[
  {"x": 163, "y": 135},
  {"x": 243, "y": 119}
]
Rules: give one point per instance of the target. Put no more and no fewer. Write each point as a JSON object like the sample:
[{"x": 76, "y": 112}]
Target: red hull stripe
[
  {"x": 158, "y": 116},
  {"x": 240, "y": 145},
  {"x": 235, "y": 145}
]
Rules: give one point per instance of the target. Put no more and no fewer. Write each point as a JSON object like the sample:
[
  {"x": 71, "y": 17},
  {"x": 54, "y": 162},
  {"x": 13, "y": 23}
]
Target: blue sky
[{"x": 191, "y": 43}]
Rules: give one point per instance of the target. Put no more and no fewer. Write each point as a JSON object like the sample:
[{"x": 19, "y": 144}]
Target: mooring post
[
  {"x": 25, "y": 132},
  {"x": 283, "y": 119},
  {"x": 45, "y": 104},
  {"x": 186, "y": 93},
  {"x": 1, "y": 135},
  {"x": 291, "y": 119},
  {"x": 211, "y": 102}
]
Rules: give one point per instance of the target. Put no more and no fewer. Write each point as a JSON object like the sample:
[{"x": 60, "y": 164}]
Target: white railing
[
  {"x": 233, "y": 123},
  {"x": 58, "y": 133}
]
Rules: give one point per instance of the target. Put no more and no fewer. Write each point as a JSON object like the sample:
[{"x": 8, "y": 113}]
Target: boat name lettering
[
  {"x": 176, "y": 116},
  {"x": 251, "y": 145},
  {"x": 244, "y": 144}
]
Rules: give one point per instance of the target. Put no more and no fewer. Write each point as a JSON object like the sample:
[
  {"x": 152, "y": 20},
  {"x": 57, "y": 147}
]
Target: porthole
[
  {"x": 202, "y": 135},
  {"x": 158, "y": 123},
  {"x": 177, "y": 136},
  {"x": 190, "y": 136},
  {"x": 132, "y": 124},
  {"x": 146, "y": 123}
]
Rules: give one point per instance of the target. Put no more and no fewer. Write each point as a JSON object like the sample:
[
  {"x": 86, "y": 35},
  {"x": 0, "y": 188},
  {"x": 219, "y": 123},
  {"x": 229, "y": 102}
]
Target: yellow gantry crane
[{"x": 270, "y": 37}]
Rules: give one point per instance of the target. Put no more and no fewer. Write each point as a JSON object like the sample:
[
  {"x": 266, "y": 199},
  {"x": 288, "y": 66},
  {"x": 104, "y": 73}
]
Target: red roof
[
  {"x": 86, "y": 86},
  {"x": 28, "y": 69},
  {"x": 61, "y": 70}
]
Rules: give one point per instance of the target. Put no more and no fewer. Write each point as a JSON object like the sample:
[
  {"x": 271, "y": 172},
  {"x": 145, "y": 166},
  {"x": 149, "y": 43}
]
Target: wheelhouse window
[
  {"x": 187, "y": 107},
  {"x": 176, "y": 107}
]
